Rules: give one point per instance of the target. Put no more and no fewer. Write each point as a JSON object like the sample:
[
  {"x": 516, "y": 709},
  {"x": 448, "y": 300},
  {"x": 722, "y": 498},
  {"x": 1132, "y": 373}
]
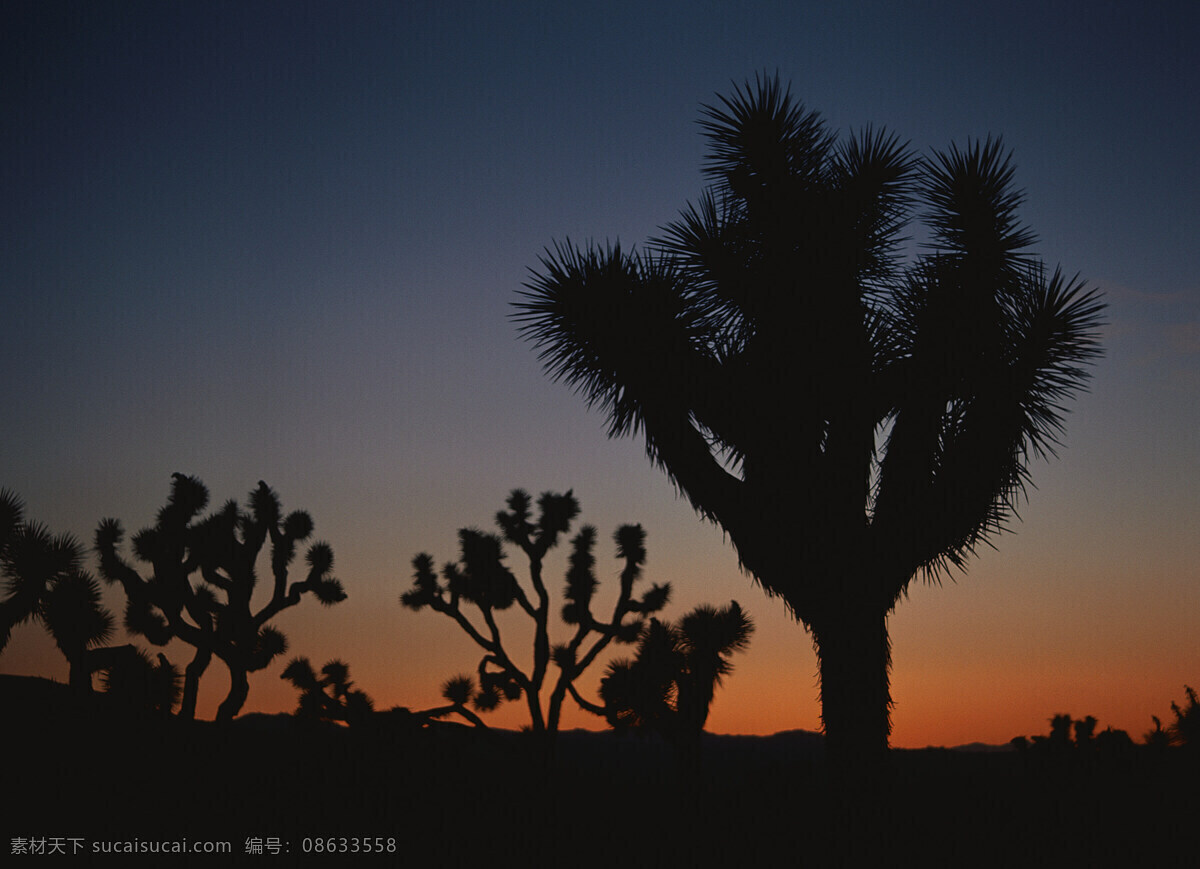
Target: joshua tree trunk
[
  {"x": 80, "y": 675},
  {"x": 855, "y": 657},
  {"x": 191, "y": 682},
  {"x": 239, "y": 690}
]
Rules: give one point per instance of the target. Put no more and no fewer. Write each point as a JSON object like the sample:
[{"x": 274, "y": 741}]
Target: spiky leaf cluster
[{"x": 581, "y": 579}]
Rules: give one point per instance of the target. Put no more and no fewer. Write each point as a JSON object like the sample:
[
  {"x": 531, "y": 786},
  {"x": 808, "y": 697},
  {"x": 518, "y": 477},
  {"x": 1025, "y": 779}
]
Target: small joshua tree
[
  {"x": 330, "y": 696},
  {"x": 215, "y": 614},
  {"x": 668, "y": 687},
  {"x": 477, "y": 587}
]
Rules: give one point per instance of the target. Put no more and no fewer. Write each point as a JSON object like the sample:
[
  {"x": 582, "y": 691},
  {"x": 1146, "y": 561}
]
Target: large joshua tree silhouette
[
  {"x": 216, "y": 614},
  {"x": 851, "y": 418}
]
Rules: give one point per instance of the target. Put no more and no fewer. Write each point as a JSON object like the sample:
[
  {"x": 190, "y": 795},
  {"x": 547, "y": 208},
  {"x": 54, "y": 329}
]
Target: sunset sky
[{"x": 280, "y": 241}]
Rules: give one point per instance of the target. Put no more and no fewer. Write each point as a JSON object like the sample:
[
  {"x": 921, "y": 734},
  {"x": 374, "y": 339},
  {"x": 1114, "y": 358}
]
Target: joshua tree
[
  {"x": 484, "y": 582},
  {"x": 330, "y": 696},
  {"x": 44, "y": 580},
  {"x": 850, "y": 418},
  {"x": 668, "y": 687},
  {"x": 215, "y": 615}
]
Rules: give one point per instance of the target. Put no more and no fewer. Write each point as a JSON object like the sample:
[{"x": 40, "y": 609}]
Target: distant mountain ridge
[{"x": 36, "y": 694}]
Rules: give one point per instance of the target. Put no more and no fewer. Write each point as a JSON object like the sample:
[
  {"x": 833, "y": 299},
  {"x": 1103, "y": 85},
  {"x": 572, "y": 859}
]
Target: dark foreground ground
[{"x": 452, "y": 796}]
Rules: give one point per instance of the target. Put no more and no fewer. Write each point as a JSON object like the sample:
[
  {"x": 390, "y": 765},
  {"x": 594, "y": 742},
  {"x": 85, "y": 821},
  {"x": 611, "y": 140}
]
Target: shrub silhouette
[
  {"x": 481, "y": 582},
  {"x": 215, "y": 615},
  {"x": 137, "y": 683},
  {"x": 850, "y": 419},
  {"x": 668, "y": 687},
  {"x": 330, "y": 696}
]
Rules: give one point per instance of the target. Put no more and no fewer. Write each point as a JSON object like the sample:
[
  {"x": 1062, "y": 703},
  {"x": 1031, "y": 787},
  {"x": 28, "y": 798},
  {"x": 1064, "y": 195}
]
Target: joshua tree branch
[{"x": 585, "y": 705}]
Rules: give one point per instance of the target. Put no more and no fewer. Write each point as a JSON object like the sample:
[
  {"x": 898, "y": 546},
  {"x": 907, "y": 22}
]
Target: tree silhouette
[
  {"x": 331, "y": 696},
  {"x": 668, "y": 687},
  {"x": 481, "y": 580},
  {"x": 215, "y": 615},
  {"x": 44, "y": 581},
  {"x": 851, "y": 419}
]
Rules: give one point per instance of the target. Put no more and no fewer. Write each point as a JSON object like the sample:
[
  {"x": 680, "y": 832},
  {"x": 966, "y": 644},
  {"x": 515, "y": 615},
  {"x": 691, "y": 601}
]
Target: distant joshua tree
[
  {"x": 1086, "y": 742},
  {"x": 852, "y": 418},
  {"x": 473, "y": 590},
  {"x": 330, "y": 696},
  {"x": 215, "y": 612},
  {"x": 668, "y": 687}
]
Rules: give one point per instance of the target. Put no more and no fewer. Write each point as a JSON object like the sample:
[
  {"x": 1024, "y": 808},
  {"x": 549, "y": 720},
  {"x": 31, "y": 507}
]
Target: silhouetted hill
[
  {"x": 22, "y": 694},
  {"x": 983, "y": 747}
]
